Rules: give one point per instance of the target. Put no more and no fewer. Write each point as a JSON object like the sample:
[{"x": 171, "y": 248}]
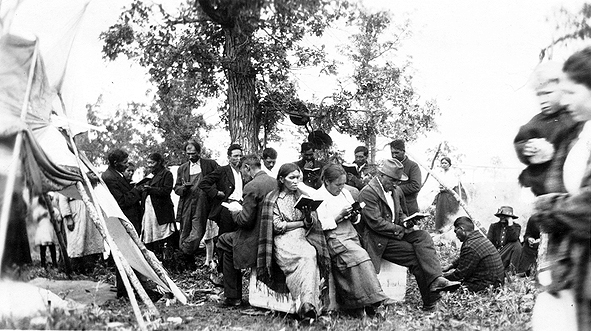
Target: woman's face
[
  {"x": 290, "y": 182},
  {"x": 577, "y": 100},
  {"x": 444, "y": 164},
  {"x": 336, "y": 186}
]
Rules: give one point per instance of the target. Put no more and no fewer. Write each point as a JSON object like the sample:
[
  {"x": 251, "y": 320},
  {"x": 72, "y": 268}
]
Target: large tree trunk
[{"x": 242, "y": 101}]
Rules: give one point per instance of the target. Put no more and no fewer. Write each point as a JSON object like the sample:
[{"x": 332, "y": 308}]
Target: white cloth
[
  {"x": 576, "y": 161},
  {"x": 84, "y": 239},
  {"x": 237, "y": 194},
  {"x": 151, "y": 230},
  {"x": 44, "y": 235},
  {"x": 194, "y": 168},
  {"x": 332, "y": 205}
]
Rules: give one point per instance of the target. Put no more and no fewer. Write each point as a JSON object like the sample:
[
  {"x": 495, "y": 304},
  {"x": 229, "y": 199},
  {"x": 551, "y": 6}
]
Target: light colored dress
[
  {"x": 446, "y": 205},
  {"x": 356, "y": 282},
  {"x": 45, "y": 234},
  {"x": 151, "y": 230},
  {"x": 294, "y": 254},
  {"x": 84, "y": 239}
]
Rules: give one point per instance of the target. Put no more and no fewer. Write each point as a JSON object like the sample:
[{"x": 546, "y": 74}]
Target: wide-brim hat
[
  {"x": 506, "y": 211},
  {"x": 393, "y": 168}
]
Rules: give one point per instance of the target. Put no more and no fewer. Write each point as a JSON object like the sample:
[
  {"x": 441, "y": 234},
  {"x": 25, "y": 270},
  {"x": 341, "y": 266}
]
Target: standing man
[
  {"x": 361, "y": 155},
  {"x": 412, "y": 186},
  {"x": 192, "y": 207},
  {"x": 385, "y": 237},
  {"x": 224, "y": 185},
  {"x": 238, "y": 249},
  {"x": 127, "y": 196},
  {"x": 479, "y": 265},
  {"x": 269, "y": 159},
  {"x": 310, "y": 167},
  {"x": 504, "y": 235}
]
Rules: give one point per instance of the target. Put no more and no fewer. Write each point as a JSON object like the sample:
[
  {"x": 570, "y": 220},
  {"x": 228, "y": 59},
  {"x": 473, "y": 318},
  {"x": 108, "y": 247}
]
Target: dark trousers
[
  {"x": 232, "y": 276},
  {"x": 416, "y": 252},
  {"x": 42, "y": 252},
  {"x": 510, "y": 254}
]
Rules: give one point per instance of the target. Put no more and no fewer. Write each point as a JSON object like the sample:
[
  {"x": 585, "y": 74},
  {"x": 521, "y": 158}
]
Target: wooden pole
[
  {"x": 455, "y": 195},
  {"x": 432, "y": 164},
  {"x": 11, "y": 177}
]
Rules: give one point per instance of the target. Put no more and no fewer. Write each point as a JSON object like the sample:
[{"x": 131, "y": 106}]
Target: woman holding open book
[
  {"x": 292, "y": 252},
  {"x": 356, "y": 283}
]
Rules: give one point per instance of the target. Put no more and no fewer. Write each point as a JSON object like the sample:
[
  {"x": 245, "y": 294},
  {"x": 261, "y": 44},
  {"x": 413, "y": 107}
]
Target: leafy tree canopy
[{"x": 569, "y": 27}]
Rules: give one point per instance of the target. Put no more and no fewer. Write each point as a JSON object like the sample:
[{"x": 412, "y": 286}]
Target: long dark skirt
[
  {"x": 357, "y": 286},
  {"x": 527, "y": 259}
]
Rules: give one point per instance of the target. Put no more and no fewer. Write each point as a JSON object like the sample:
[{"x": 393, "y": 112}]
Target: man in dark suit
[
  {"x": 386, "y": 237},
  {"x": 224, "y": 185},
  {"x": 127, "y": 196},
  {"x": 412, "y": 185},
  {"x": 238, "y": 249},
  {"x": 310, "y": 167},
  {"x": 192, "y": 208}
]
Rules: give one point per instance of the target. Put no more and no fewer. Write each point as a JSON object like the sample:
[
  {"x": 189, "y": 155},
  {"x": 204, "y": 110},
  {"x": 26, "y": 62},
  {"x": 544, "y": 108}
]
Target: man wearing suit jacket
[
  {"x": 192, "y": 208},
  {"x": 238, "y": 249},
  {"x": 385, "y": 237},
  {"x": 127, "y": 196},
  {"x": 412, "y": 185},
  {"x": 224, "y": 185}
]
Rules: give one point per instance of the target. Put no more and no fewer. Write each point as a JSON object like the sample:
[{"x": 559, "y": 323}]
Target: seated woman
[
  {"x": 158, "y": 221},
  {"x": 292, "y": 252},
  {"x": 356, "y": 283}
]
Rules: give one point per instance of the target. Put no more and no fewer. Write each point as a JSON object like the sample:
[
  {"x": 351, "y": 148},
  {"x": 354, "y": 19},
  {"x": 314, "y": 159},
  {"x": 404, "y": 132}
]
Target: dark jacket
[
  {"x": 189, "y": 196},
  {"x": 128, "y": 197},
  {"x": 380, "y": 222},
  {"x": 159, "y": 192},
  {"x": 311, "y": 177},
  {"x": 494, "y": 234},
  {"x": 247, "y": 238},
  {"x": 412, "y": 186},
  {"x": 221, "y": 179}
]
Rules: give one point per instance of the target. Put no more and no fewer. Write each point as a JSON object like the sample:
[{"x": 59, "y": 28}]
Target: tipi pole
[
  {"x": 454, "y": 193},
  {"x": 11, "y": 177}
]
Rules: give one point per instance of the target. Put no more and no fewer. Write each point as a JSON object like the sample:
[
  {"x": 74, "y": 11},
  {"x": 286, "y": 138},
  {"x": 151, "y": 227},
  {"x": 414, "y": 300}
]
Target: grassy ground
[{"x": 507, "y": 309}]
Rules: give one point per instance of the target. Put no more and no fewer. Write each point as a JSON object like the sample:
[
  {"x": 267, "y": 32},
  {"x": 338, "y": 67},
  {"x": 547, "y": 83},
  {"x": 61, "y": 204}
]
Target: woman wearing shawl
[
  {"x": 356, "y": 283},
  {"x": 566, "y": 214},
  {"x": 292, "y": 252},
  {"x": 158, "y": 220},
  {"x": 446, "y": 205}
]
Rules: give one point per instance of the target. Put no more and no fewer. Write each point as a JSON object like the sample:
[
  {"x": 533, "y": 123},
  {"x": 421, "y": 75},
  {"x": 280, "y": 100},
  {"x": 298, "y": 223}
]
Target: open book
[
  {"x": 307, "y": 201},
  {"x": 351, "y": 169},
  {"x": 413, "y": 219},
  {"x": 144, "y": 181}
]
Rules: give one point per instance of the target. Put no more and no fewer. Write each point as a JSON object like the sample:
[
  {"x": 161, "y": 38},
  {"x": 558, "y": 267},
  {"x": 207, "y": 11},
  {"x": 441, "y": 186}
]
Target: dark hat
[
  {"x": 320, "y": 139},
  {"x": 398, "y": 144},
  {"x": 506, "y": 211},
  {"x": 393, "y": 168}
]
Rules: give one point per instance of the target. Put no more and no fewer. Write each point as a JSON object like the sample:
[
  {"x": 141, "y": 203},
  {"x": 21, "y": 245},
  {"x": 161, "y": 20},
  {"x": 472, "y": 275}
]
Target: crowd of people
[{"x": 250, "y": 215}]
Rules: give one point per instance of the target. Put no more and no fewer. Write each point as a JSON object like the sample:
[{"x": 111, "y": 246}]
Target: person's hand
[
  {"x": 538, "y": 150},
  {"x": 345, "y": 212},
  {"x": 220, "y": 194},
  {"x": 70, "y": 222},
  {"x": 531, "y": 241},
  {"x": 409, "y": 230},
  {"x": 309, "y": 164}
]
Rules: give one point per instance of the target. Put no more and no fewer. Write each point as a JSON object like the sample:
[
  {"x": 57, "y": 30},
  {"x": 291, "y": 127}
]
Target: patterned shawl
[{"x": 267, "y": 269}]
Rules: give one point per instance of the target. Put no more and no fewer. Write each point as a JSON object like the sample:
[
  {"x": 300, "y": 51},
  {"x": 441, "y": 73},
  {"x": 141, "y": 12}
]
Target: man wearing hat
[
  {"x": 385, "y": 237},
  {"x": 412, "y": 185},
  {"x": 504, "y": 235},
  {"x": 479, "y": 265},
  {"x": 311, "y": 168}
]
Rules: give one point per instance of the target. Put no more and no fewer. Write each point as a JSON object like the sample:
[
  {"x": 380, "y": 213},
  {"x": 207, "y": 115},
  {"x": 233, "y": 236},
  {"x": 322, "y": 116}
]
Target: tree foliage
[
  {"x": 383, "y": 101},
  {"x": 241, "y": 49},
  {"x": 122, "y": 131},
  {"x": 569, "y": 27}
]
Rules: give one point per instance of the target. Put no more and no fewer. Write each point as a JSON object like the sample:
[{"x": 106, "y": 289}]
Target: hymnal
[
  {"x": 307, "y": 201},
  {"x": 412, "y": 220}
]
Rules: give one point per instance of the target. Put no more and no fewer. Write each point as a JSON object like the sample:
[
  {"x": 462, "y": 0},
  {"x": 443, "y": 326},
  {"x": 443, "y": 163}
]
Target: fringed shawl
[{"x": 267, "y": 269}]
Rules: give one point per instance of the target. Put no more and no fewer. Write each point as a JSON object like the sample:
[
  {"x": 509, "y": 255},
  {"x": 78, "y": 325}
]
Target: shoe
[
  {"x": 378, "y": 312},
  {"x": 232, "y": 302},
  {"x": 443, "y": 284},
  {"x": 431, "y": 306},
  {"x": 217, "y": 281},
  {"x": 307, "y": 311}
]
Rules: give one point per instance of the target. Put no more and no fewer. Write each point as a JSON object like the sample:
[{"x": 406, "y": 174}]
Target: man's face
[
  {"x": 460, "y": 233},
  {"x": 504, "y": 219},
  {"x": 122, "y": 165},
  {"x": 308, "y": 155},
  {"x": 245, "y": 171},
  {"x": 388, "y": 182},
  {"x": 577, "y": 100},
  {"x": 269, "y": 162},
  {"x": 397, "y": 153},
  {"x": 360, "y": 158},
  {"x": 191, "y": 151},
  {"x": 549, "y": 97},
  {"x": 234, "y": 157}
]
